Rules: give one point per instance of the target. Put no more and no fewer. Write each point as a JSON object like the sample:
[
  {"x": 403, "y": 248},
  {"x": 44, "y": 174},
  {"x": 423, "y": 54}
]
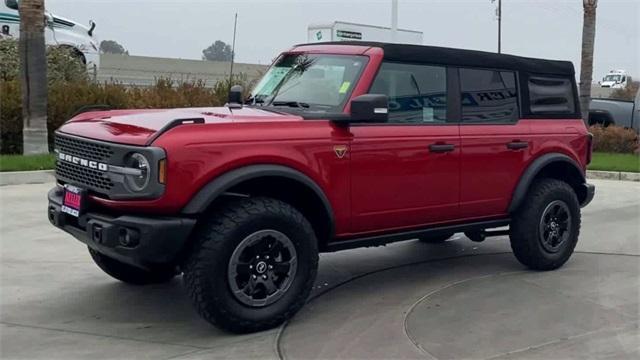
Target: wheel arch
[
  {"x": 552, "y": 165},
  {"x": 77, "y": 52},
  {"x": 277, "y": 181}
]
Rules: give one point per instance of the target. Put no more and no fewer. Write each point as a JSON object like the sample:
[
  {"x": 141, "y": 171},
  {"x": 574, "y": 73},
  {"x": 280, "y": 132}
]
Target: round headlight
[{"x": 139, "y": 181}]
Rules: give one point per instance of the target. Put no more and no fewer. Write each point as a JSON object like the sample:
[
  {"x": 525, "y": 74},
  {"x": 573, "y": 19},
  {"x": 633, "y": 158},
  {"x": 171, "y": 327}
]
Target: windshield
[
  {"x": 612, "y": 78},
  {"x": 318, "y": 81}
]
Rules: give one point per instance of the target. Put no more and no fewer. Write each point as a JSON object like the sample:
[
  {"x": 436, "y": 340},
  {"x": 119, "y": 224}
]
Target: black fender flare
[
  {"x": 533, "y": 170},
  {"x": 210, "y": 192}
]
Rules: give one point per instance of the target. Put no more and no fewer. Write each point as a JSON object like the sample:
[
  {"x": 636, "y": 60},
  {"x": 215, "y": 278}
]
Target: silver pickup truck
[{"x": 615, "y": 112}]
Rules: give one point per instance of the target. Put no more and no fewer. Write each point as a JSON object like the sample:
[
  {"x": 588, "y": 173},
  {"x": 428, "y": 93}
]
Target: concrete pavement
[{"x": 407, "y": 300}]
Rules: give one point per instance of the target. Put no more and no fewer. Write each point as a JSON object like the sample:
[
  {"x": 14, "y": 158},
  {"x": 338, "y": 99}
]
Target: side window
[
  {"x": 551, "y": 95},
  {"x": 11, "y": 4},
  {"x": 417, "y": 93},
  {"x": 488, "y": 96}
]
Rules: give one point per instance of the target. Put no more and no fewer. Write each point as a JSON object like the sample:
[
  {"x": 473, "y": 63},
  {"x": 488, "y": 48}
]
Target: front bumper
[
  {"x": 590, "y": 191},
  {"x": 141, "y": 241}
]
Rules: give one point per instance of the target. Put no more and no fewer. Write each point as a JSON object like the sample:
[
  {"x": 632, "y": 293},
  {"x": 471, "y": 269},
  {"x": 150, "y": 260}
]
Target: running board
[{"x": 379, "y": 240}]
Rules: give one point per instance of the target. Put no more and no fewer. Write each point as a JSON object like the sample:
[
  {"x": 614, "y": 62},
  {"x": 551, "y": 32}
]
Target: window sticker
[
  {"x": 428, "y": 114},
  {"x": 345, "y": 87}
]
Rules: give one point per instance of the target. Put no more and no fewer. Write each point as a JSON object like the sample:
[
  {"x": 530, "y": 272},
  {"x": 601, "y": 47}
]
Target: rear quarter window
[
  {"x": 551, "y": 95},
  {"x": 488, "y": 96}
]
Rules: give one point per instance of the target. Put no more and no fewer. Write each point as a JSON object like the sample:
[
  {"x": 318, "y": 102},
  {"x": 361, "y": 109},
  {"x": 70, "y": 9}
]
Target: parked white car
[{"x": 58, "y": 32}]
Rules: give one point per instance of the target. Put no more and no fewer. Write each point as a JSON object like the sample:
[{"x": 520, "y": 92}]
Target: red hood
[{"x": 137, "y": 127}]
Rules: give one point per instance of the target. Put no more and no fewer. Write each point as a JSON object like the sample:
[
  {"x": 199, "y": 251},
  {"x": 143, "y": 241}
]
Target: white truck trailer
[{"x": 346, "y": 31}]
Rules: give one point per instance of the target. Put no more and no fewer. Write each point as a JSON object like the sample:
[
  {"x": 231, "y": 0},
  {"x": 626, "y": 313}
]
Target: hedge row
[
  {"x": 614, "y": 139},
  {"x": 65, "y": 98}
]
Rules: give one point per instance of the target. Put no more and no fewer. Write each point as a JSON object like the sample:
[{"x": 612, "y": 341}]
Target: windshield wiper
[{"x": 290, "y": 104}]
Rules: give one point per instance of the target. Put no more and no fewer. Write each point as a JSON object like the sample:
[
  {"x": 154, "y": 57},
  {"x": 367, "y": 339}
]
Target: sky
[{"x": 536, "y": 28}]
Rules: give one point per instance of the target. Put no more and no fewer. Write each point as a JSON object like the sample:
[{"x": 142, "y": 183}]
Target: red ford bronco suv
[{"x": 340, "y": 145}]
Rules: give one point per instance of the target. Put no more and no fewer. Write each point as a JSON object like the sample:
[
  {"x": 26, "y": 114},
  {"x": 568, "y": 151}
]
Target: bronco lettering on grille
[{"x": 82, "y": 162}]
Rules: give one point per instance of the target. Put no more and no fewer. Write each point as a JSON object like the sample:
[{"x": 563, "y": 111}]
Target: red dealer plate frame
[{"x": 73, "y": 200}]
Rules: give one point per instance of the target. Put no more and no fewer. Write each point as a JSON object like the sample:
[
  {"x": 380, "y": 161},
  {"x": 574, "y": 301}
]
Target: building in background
[{"x": 345, "y": 31}]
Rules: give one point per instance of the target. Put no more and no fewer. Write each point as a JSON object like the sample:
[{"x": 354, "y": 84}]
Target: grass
[
  {"x": 615, "y": 162},
  {"x": 26, "y": 162},
  {"x": 600, "y": 161}
]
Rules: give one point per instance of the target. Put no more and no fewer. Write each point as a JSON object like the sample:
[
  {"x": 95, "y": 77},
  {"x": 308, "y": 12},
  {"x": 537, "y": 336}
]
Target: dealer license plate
[{"x": 73, "y": 200}]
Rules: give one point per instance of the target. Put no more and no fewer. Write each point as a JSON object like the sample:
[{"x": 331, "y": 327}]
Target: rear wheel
[
  {"x": 435, "y": 239},
  {"x": 253, "y": 264},
  {"x": 131, "y": 274},
  {"x": 544, "y": 233}
]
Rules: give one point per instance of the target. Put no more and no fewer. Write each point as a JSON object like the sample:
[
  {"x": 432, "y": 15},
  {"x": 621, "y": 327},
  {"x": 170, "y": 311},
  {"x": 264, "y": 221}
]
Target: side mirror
[
  {"x": 235, "y": 97},
  {"x": 49, "y": 18},
  {"x": 370, "y": 108}
]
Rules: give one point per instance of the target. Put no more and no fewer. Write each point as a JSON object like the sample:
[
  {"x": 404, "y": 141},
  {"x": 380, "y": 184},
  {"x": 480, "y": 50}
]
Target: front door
[{"x": 405, "y": 173}]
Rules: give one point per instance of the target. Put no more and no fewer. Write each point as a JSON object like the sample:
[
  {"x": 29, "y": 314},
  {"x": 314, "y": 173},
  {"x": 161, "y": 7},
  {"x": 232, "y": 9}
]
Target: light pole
[
  {"x": 499, "y": 18},
  {"x": 394, "y": 21},
  {"x": 233, "y": 51}
]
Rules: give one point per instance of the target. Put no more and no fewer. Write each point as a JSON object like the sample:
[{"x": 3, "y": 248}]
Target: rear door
[
  {"x": 496, "y": 145},
  {"x": 405, "y": 173}
]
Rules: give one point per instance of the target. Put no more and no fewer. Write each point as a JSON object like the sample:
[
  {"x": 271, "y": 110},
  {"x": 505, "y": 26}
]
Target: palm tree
[
  {"x": 586, "y": 61},
  {"x": 33, "y": 77}
]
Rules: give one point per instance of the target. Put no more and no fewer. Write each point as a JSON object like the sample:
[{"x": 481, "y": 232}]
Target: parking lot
[{"x": 454, "y": 300}]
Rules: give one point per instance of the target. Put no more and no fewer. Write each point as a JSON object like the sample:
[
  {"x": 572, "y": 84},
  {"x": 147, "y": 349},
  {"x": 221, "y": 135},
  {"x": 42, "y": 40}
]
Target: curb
[
  {"x": 45, "y": 176},
  {"x": 613, "y": 175},
  {"x": 26, "y": 177}
]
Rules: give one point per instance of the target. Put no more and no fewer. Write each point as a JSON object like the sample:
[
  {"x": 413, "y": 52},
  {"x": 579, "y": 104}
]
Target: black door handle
[
  {"x": 441, "y": 148},
  {"x": 516, "y": 145}
]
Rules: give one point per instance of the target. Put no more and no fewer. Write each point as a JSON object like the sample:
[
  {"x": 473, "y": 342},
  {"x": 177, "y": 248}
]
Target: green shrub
[
  {"x": 65, "y": 98},
  {"x": 62, "y": 63},
  {"x": 9, "y": 60},
  {"x": 614, "y": 139}
]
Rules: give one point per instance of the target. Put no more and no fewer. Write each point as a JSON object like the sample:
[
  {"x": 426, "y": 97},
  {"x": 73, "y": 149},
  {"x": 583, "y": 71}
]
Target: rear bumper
[
  {"x": 136, "y": 240},
  {"x": 590, "y": 191}
]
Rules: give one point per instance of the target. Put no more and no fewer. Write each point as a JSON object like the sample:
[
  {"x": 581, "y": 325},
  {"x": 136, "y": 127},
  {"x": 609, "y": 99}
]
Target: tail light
[{"x": 590, "y": 147}]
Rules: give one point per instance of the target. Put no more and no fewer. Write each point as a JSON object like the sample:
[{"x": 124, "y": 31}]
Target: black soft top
[{"x": 460, "y": 57}]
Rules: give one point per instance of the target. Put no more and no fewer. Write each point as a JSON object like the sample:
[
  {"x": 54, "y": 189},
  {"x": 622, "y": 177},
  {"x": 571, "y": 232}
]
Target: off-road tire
[
  {"x": 525, "y": 236},
  {"x": 435, "y": 239},
  {"x": 215, "y": 240},
  {"x": 131, "y": 274}
]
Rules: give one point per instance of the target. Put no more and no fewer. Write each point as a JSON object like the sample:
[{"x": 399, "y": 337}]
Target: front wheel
[
  {"x": 253, "y": 264},
  {"x": 544, "y": 233}
]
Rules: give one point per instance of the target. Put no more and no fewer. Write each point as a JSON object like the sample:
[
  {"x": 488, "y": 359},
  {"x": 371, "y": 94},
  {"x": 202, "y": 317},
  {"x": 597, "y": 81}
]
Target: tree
[
  {"x": 586, "y": 60},
  {"x": 33, "y": 77},
  {"x": 218, "y": 51},
  {"x": 112, "y": 47}
]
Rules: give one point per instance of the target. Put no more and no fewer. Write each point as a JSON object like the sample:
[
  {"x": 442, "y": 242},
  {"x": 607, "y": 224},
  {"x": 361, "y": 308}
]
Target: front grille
[
  {"x": 81, "y": 175},
  {"x": 83, "y": 149}
]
